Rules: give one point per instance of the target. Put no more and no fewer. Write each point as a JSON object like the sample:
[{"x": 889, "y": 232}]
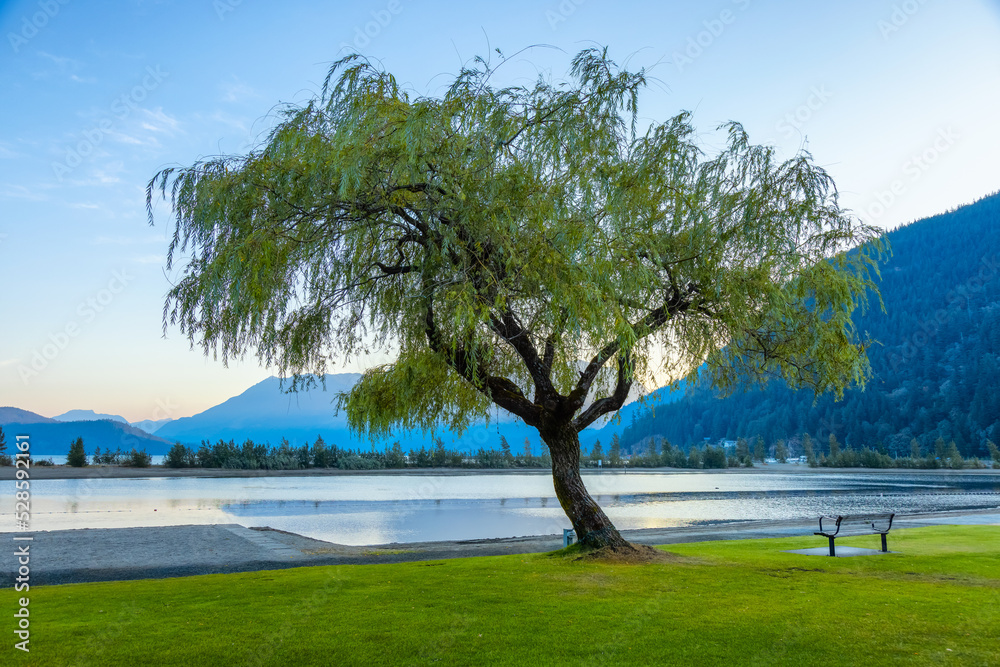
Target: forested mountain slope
[{"x": 936, "y": 363}]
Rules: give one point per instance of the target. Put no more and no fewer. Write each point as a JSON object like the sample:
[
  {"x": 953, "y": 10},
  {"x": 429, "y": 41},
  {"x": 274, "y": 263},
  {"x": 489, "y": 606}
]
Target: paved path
[{"x": 112, "y": 554}]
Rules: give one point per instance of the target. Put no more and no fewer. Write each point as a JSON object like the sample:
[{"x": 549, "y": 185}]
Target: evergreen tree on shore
[
  {"x": 508, "y": 457},
  {"x": 781, "y": 451},
  {"x": 807, "y": 448},
  {"x": 597, "y": 453},
  {"x": 5, "y": 459},
  {"x": 615, "y": 454},
  {"x": 77, "y": 457}
]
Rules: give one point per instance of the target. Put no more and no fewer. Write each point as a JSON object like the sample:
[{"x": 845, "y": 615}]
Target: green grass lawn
[{"x": 936, "y": 601}]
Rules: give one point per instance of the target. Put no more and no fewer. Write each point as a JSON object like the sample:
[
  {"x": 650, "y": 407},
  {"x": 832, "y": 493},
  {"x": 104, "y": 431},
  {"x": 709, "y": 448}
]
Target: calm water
[{"x": 377, "y": 509}]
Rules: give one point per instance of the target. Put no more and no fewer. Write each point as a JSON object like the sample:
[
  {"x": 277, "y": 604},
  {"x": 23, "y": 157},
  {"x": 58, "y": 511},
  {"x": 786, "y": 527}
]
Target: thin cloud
[
  {"x": 124, "y": 138},
  {"x": 99, "y": 178},
  {"x": 64, "y": 65},
  {"x": 234, "y": 122},
  {"x": 62, "y": 62},
  {"x": 10, "y": 191},
  {"x": 157, "y": 120},
  {"x": 105, "y": 178},
  {"x": 148, "y": 259},
  {"x": 237, "y": 91},
  {"x": 128, "y": 240}
]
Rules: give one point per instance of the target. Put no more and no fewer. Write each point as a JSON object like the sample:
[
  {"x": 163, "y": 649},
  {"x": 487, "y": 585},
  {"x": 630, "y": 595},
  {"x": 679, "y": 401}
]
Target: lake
[{"x": 381, "y": 508}]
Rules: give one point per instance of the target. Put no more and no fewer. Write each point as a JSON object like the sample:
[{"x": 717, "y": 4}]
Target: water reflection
[{"x": 372, "y": 509}]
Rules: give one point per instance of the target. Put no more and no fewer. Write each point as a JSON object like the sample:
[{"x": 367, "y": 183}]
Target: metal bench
[{"x": 860, "y": 524}]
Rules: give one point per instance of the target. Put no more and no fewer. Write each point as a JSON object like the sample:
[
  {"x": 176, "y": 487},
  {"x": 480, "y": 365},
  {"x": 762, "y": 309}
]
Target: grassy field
[{"x": 936, "y": 601}]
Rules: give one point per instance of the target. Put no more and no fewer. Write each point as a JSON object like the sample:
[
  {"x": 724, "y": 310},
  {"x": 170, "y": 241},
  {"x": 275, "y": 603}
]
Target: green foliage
[
  {"x": 5, "y": 458},
  {"x": 714, "y": 457},
  {"x": 257, "y": 456},
  {"x": 808, "y": 450},
  {"x": 759, "y": 452},
  {"x": 508, "y": 457},
  {"x": 615, "y": 453},
  {"x": 395, "y": 457},
  {"x": 421, "y": 459},
  {"x": 653, "y": 449},
  {"x": 939, "y": 448},
  {"x": 321, "y": 456},
  {"x": 596, "y": 453},
  {"x": 76, "y": 457},
  {"x": 781, "y": 451},
  {"x": 742, "y": 453},
  {"x": 870, "y": 458},
  {"x": 994, "y": 453},
  {"x": 180, "y": 456},
  {"x": 133, "y": 458},
  {"x": 954, "y": 457},
  {"x": 440, "y": 456},
  {"x": 137, "y": 459},
  {"x": 694, "y": 458},
  {"x": 107, "y": 457},
  {"x": 834, "y": 446},
  {"x": 492, "y": 237}
]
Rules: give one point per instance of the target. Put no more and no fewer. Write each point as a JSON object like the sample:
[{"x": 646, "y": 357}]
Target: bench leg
[
  {"x": 884, "y": 547},
  {"x": 832, "y": 551}
]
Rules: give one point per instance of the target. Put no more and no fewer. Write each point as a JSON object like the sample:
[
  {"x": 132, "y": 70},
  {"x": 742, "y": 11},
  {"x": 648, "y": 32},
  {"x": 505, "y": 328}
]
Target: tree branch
[
  {"x": 508, "y": 328},
  {"x": 468, "y": 365},
  {"x": 609, "y": 403},
  {"x": 677, "y": 303},
  {"x": 550, "y": 342}
]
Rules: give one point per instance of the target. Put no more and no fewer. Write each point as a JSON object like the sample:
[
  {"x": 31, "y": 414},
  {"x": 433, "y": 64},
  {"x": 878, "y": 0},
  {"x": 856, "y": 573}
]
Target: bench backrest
[{"x": 857, "y": 524}]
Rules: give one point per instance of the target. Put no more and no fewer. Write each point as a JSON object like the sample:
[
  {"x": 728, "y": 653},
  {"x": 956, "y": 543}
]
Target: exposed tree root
[{"x": 628, "y": 553}]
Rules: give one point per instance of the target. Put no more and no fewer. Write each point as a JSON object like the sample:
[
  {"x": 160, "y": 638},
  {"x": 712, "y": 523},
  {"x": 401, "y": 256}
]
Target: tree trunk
[{"x": 592, "y": 526}]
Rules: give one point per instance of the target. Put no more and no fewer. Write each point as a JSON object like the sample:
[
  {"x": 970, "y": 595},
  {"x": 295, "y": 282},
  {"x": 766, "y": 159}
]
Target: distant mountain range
[
  {"x": 151, "y": 426},
  {"x": 267, "y": 413},
  {"x": 87, "y": 416},
  {"x": 10, "y": 415},
  {"x": 51, "y": 437}
]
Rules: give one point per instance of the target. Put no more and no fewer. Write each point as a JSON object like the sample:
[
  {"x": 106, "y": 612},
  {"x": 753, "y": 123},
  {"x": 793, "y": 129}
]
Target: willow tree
[{"x": 530, "y": 247}]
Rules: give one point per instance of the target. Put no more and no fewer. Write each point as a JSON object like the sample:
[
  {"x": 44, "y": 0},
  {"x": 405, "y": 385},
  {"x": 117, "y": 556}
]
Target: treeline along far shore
[{"x": 659, "y": 453}]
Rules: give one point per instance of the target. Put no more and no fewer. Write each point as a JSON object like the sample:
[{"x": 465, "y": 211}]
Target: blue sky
[{"x": 898, "y": 100}]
